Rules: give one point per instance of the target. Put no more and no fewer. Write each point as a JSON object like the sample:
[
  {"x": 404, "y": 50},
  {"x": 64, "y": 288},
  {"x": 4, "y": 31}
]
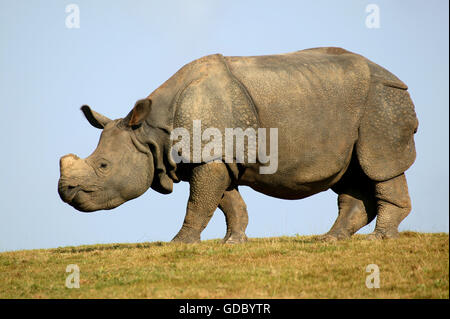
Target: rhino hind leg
[
  {"x": 208, "y": 183},
  {"x": 356, "y": 202},
  {"x": 393, "y": 204},
  {"x": 235, "y": 210},
  {"x": 385, "y": 145},
  {"x": 354, "y": 213}
]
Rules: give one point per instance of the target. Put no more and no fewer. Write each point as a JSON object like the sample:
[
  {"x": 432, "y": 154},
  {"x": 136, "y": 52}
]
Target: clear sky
[{"x": 124, "y": 50}]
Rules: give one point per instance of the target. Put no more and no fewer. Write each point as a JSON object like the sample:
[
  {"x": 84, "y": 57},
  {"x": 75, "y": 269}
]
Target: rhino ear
[
  {"x": 96, "y": 119},
  {"x": 140, "y": 112}
]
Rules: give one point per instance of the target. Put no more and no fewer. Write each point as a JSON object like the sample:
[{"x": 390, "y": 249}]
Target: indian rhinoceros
[{"x": 343, "y": 122}]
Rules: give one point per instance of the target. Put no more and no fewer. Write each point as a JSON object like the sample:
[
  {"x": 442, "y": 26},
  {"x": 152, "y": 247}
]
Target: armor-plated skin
[{"x": 343, "y": 123}]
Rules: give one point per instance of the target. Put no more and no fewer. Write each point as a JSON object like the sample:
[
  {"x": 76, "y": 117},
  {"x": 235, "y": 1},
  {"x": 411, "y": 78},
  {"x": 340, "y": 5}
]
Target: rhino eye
[{"x": 103, "y": 166}]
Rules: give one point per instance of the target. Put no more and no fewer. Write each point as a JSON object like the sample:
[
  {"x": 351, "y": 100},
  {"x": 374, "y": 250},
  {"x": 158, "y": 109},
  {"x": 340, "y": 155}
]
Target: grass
[{"x": 414, "y": 266}]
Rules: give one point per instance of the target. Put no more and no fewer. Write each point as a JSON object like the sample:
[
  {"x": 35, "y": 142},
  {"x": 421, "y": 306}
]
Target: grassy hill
[{"x": 414, "y": 266}]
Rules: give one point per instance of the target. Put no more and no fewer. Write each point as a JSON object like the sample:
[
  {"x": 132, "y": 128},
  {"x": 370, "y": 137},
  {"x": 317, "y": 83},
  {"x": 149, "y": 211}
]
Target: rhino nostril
[{"x": 67, "y": 192}]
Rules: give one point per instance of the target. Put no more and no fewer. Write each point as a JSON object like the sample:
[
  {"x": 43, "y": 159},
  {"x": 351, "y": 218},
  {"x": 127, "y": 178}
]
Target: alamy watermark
[
  {"x": 73, "y": 279},
  {"x": 236, "y": 145},
  {"x": 373, "y": 17},
  {"x": 373, "y": 280},
  {"x": 73, "y": 18}
]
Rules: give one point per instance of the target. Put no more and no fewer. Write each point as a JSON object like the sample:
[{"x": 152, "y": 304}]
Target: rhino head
[{"x": 121, "y": 167}]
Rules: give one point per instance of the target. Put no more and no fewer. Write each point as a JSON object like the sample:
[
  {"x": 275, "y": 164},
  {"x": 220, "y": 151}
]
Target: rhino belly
[
  {"x": 300, "y": 177},
  {"x": 314, "y": 148}
]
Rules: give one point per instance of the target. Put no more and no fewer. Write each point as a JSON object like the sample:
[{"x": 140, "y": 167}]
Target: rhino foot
[
  {"x": 235, "y": 239},
  {"x": 332, "y": 237},
  {"x": 377, "y": 235},
  {"x": 186, "y": 239}
]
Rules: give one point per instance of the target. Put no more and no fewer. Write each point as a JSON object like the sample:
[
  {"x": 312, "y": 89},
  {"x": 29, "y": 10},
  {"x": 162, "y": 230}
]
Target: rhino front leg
[
  {"x": 235, "y": 210},
  {"x": 208, "y": 182},
  {"x": 394, "y": 205}
]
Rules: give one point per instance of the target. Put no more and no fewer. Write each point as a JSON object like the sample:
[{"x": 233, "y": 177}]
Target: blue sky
[{"x": 124, "y": 50}]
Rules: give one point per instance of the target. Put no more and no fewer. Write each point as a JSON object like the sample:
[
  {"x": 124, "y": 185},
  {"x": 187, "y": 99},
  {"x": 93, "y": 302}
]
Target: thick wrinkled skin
[{"x": 343, "y": 123}]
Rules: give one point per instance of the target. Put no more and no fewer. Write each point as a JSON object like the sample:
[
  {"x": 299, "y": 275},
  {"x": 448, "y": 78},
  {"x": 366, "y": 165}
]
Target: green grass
[{"x": 414, "y": 266}]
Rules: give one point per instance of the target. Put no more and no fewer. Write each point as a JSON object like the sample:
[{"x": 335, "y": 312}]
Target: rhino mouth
[
  {"x": 72, "y": 191},
  {"x": 68, "y": 192}
]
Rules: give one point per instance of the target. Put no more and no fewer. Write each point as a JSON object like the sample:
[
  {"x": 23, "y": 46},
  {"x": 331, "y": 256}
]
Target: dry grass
[{"x": 414, "y": 266}]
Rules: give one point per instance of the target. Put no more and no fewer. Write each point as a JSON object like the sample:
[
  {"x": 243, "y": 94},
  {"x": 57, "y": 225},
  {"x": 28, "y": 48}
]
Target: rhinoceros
[{"x": 342, "y": 122}]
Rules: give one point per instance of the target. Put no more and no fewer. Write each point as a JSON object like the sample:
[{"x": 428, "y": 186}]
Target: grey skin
[{"x": 343, "y": 123}]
